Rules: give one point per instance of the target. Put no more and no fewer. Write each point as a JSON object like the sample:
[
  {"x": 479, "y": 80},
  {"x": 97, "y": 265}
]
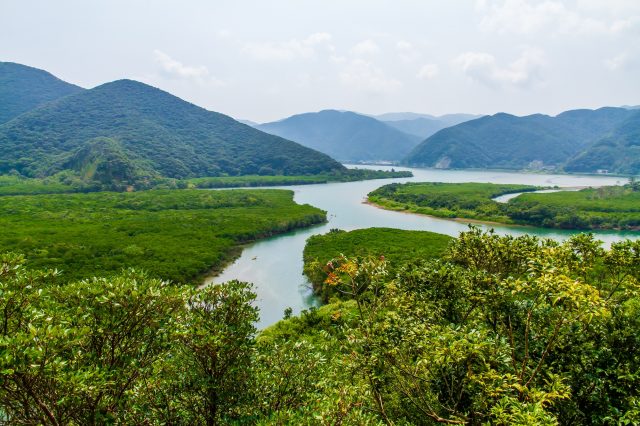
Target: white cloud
[
  {"x": 364, "y": 76},
  {"x": 483, "y": 67},
  {"x": 364, "y": 48},
  {"x": 290, "y": 49},
  {"x": 556, "y": 17},
  {"x": 175, "y": 69},
  {"x": 407, "y": 52},
  {"x": 428, "y": 72}
]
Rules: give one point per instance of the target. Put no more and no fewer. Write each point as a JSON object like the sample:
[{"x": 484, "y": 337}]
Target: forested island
[{"x": 612, "y": 207}]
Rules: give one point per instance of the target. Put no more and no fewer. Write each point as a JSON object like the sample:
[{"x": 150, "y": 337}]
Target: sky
[{"x": 264, "y": 60}]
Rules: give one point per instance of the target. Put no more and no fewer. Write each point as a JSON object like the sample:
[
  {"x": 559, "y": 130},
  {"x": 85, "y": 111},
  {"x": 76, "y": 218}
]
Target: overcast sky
[{"x": 267, "y": 59}]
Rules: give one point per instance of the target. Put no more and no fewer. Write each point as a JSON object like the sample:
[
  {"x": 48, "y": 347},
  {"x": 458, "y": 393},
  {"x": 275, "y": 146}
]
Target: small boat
[{"x": 254, "y": 257}]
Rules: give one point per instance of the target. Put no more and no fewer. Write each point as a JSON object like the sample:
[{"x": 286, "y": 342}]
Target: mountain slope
[
  {"x": 158, "y": 133},
  {"x": 24, "y": 88},
  {"x": 507, "y": 141},
  {"x": 344, "y": 135},
  {"x": 618, "y": 152}
]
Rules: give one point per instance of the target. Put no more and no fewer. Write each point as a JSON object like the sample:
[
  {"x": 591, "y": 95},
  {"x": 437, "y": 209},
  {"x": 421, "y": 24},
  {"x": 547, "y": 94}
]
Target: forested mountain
[
  {"x": 23, "y": 88},
  {"x": 507, "y": 141},
  {"x": 617, "y": 152},
  {"x": 345, "y": 135},
  {"x": 148, "y": 132}
]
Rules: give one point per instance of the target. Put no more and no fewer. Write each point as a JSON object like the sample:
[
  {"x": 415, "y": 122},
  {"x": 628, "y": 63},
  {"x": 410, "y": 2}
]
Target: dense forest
[
  {"x": 499, "y": 330},
  {"x": 614, "y": 207},
  {"x": 175, "y": 235}
]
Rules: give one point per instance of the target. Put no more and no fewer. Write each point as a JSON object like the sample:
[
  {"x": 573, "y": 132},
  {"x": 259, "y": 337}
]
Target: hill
[
  {"x": 24, "y": 88},
  {"x": 146, "y": 132},
  {"x": 345, "y": 135},
  {"x": 510, "y": 142},
  {"x": 618, "y": 152}
]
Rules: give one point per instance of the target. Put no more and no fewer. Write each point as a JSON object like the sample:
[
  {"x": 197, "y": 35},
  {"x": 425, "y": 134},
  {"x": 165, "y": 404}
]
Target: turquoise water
[{"x": 274, "y": 265}]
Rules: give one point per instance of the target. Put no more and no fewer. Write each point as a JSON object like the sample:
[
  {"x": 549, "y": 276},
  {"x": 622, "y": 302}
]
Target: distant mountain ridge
[
  {"x": 24, "y": 88},
  {"x": 345, "y": 135},
  {"x": 511, "y": 142},
  {"x": 156, "y": 133},
  {"x": 422, "y": 125}
]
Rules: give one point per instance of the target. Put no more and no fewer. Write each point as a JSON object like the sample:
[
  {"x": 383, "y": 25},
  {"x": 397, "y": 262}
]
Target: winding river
[{"x": 274, "y": 265}]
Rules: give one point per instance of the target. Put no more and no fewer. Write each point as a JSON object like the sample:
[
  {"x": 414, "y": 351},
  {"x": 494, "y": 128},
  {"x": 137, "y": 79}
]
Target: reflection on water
[{"x": 274, "y": 265}]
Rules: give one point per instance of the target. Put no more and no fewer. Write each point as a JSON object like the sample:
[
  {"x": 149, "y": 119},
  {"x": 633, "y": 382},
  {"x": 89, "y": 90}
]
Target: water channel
[{"x": 274, "y": 265}]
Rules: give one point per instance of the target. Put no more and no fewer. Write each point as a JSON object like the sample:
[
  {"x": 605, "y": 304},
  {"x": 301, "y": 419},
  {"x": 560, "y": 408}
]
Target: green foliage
[
  {"x": 501, "y": 330},
  {"x": 510, "y": 142},
  {"x": 24, "y": 88},
  {"x": 614, "y": 207},
  {"x": 156, "y": 132},
  {"x": 177, "y": 235},
  {"x": 396, "y": 246}
]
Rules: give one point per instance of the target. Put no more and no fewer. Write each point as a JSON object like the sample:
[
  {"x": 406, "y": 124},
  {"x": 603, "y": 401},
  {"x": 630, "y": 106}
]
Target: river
[{"x": 274, "y": 265}]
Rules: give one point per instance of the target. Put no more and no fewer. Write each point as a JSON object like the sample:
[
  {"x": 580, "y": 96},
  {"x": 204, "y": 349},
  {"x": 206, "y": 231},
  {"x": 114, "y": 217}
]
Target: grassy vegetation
[
  {"x": 176, "y": 235},
  {"x": 349, "y": 175},
  {"x": 395, "y": 245},
  {"x": 615, "y": 207},
  {"x": 448, "y": 200}
]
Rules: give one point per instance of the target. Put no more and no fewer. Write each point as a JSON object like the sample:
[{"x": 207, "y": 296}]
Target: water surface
[{"x": 274, "y": 265}]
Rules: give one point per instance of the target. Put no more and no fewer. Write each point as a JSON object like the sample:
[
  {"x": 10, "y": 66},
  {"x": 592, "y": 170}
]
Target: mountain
[
  {"x": 344, "y": 135},
  {"x": 420, "y": 127},
  {"x": 510, "y": 142},
  {"x": 423, "y": 125},
  {"x": 618, "y": 152},
  {"x": 248, "y": 122},
  {"x": 139, "y": 126},
  {"x": 449, "y": 119},
  {"x": 24, "y": 88}
]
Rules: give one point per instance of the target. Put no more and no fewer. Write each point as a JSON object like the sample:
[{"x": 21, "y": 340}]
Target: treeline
[
  {"x": 349, "y": 175},
  {"x": 501, "y": 330}
]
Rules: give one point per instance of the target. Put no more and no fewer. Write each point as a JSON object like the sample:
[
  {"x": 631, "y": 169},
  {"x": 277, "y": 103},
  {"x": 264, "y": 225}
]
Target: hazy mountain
[
  {"x": 24, "y": 88},
  {"x": 507, "y": 141},
  {"x": 345, "y": 135},
  {"x": 423, "y": 125},
  {"x": 420, "y": 127},
  {"x": 139, "y": 126},
  {"x": 618, "y": 152}
]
